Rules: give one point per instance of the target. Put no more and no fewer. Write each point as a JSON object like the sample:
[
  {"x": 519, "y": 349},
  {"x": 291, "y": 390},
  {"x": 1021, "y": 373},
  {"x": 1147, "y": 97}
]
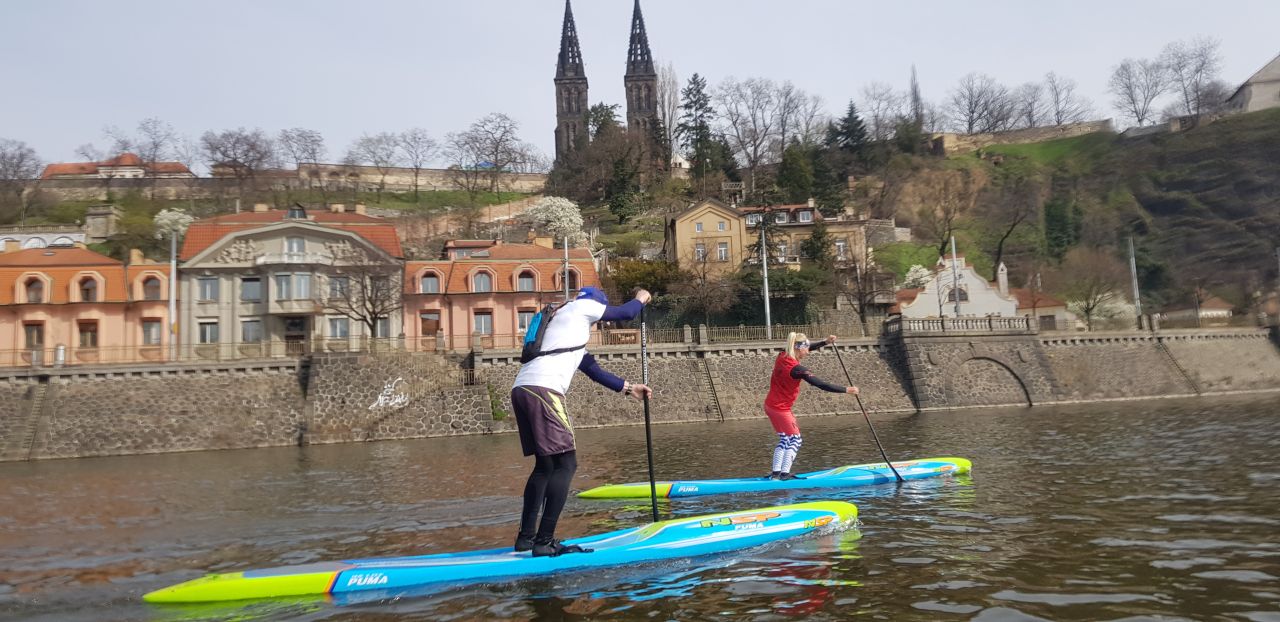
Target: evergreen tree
[
  {"x": 849, "y": 134},
  {"x": 829, "y": 183},
  {"x": 819, "y": 246},
  {"x": 795, "y": 174},
  {"x": 602, "y": 119},
  {"x": 694, "y": 130}
]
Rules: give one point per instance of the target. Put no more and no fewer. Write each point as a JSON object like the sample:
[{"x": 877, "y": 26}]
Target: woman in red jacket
[{"x": 784, "y": 388}]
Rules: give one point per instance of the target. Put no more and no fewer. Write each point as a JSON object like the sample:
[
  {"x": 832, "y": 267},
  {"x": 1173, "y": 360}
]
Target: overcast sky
[{"x": 346, "y": 68}]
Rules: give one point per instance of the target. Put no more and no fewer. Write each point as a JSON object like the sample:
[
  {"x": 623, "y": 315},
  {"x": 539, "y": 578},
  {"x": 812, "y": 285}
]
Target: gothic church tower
[
  {"x": 641, "y": 81},
  {"x": 571, "y": 88}
]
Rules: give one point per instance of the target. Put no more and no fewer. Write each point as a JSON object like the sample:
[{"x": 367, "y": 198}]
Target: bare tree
[
  {"x": 91, "y": 153},
  {"x": 938, "y": 221},
  {"x": 19, "y": 172},
  {"x": 790, "y": 101},
  {"x": 1192, "y": 67},
  {"x": 704, "y": 289},
  {"x": 1090, "y": 281},
  {"x": 1135, "y": 84},
  {"x": 811, "y": 121},
  {"x": 464, "y": 154},
  {"x": 153, "y": 142},
  {"x": 1030, "y": 104},
  {"x": 1065, "y": 106},
  {"x": 493, "y": 146},
  {"x": 187, "y": 152},
  {"x": 243, "y": 153},
  {"x": 883, "y": 108},
  {"x": 1004, "y": 213},
  {"x": 381, "y": 151},
  {"x": 750, "y": 114},
  {"x": 366, "y": 287},
  {"x": 979, "y": 104},
  {"x": 669, "y": 102},
  {"x": 305, "y": 147},
  {"x": 417, "y": 149}
]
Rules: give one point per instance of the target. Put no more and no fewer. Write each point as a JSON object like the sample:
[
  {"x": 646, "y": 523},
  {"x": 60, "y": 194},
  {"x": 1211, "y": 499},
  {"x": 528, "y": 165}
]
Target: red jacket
[{"x": 783, "y": 389}]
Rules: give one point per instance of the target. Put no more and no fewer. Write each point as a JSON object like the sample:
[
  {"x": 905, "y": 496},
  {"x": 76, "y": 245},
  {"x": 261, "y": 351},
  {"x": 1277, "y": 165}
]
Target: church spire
[
  {"x": 571, "y": 89},
  {"x": 570, "y": 62},
  {"x": 639, "y": 60}
]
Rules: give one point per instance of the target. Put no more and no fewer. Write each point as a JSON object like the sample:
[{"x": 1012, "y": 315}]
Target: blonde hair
[{"x": 792, "y": 340}]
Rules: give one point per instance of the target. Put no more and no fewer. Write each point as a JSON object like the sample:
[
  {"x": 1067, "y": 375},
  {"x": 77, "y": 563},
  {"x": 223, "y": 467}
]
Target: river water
[{"x": 1157, "y": 510}]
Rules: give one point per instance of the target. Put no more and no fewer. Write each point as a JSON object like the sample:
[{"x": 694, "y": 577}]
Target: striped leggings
[{"x": 785, "y": 451}]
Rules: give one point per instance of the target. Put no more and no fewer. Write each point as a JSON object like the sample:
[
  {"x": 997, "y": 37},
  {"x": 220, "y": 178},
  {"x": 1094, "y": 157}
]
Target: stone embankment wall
[{"x": 337, "y": 398}]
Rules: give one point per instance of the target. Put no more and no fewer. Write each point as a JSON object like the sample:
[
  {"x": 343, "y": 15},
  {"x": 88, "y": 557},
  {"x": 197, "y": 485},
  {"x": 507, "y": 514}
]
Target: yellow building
[
  {"x": 709, "y": 235},
  {"x": 794, "y": 224}
]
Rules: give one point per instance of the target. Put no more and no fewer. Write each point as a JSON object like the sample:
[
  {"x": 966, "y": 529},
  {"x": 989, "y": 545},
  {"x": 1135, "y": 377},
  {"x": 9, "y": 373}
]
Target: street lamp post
[{"x": 764, "y": 272}]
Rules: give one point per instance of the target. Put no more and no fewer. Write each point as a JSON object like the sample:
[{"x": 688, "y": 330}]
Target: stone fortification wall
[
  {"x": 1109, "y": 366},
  {"x": 1226, "y": 361},
  {"x": 360, "y": 397},
  {"x": 115, "y": 413},
  {"x": 948, "y": 143}
]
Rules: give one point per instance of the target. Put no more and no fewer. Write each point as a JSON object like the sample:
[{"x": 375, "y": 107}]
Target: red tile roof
[
  {"x": 56, "y": 256},
  {"x": 205, "y": 233},
  {"x": 1027, "y": 299},
  {"x": 124, "y": 159},
  {"x": 61, "y": 267}
]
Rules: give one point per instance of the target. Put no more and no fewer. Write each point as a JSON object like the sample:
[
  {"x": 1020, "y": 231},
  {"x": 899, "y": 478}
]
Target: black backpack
[{"x": 532, "y": 347}]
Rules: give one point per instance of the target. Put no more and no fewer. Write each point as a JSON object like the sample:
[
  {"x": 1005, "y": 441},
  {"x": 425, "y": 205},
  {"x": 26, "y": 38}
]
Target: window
[
  {"x": 484, "y": 322},
  {"x": 302, "y": 286},
  {"x": 250, "y": 289},
  {"x": 782, "y": 251},
  {"x": 780, "y": 218},
  {"x": 573, "y": 280},
  {"x": 35, "y": 291},
  {"x": 720, "y": 226},
  {"x": 208, "y": 331},
  {"x": 806, "y": 216},
  {"x": 208, "y": 289},
  {"x": 151, "y": 288},
  {"x": 951, "y": 295},
  {"x": 697, "y": 227},
  {"x": 523, "y": 317},
  {"x": 284, "y": 286},
  {"x": 250, "y": 331},
  {"x": 722, "y": 251},
  {"x": 841, "y": 248},
  {"x": 430, "y": 284},
  {"x": 88, "y": 330},
  {"x": 526, "y": 282},
  {"x": 339, "y": 328},
  {"x": 295, "y": 245},
  {"x": 482, "y": 282},
  {"x": 753, "y": 219},
  {"x": 699, "y": 252},
  {"x": 429, "y": 322},
  {"x": 296, "y": 212},
  {"x": 150, "y": 332},
  {"x": 339, "y": 286},
  {"x": 382, "y": 328},
  {"x": 88, "y": 289},
  {"x": 34, "y": 334}
]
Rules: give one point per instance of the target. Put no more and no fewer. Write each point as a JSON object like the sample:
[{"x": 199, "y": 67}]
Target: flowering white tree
[
  {"x": 916, "y": 277},
  {"x": 172, "y": 223},
  {"x": 560, "y": 217}
]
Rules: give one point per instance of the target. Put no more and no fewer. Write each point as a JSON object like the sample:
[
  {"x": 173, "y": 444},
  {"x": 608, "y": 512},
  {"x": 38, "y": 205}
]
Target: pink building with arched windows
[
  {"x": 483, "y": 292},
  {"x": 98, "y": 309}
]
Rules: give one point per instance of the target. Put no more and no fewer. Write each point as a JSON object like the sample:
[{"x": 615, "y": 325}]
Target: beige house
[
  {"x": 795, "y": 223},
  {"x": 1260, "y": 91},
  {"x": 709, "y": 234}
]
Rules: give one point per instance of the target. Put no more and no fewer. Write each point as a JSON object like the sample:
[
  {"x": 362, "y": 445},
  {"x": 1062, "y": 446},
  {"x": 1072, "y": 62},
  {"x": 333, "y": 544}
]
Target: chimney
[
  {"x": 337, "y": 208},
  {"x": 811, "y": 202},
  {"x": 261, "y": 207},
  {"x": 1002, "y": 279},
  {"x": 11, "y": 246},
  {"x": 360, "y": 209},
  {"x": 135, "y": 257}
]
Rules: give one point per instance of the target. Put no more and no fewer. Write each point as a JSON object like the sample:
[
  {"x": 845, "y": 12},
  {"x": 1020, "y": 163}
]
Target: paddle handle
[
  {"x": 648, "y": 431},
  {"x": 874, "y": 436}
]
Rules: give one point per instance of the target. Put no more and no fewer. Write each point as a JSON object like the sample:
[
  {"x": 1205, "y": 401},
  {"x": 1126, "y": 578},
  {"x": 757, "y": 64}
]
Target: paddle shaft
[
  {"x": 648, "y": 432},
  {"x": 874, "y": 436}
]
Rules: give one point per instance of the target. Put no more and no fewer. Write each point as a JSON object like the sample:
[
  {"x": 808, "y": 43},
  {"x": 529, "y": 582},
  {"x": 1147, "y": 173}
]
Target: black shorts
[{"x": 544, "y": 425}]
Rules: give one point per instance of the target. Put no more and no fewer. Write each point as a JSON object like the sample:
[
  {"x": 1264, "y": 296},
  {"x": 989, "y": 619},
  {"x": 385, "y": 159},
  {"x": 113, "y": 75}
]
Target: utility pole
[
  {"x": 566, "y": 267},
  {"x": 173, "y": 295},
  {"x": 955, "y": 276},
  {"x": 1133, "y": 276},
  {"x": 764, "y": 271}
]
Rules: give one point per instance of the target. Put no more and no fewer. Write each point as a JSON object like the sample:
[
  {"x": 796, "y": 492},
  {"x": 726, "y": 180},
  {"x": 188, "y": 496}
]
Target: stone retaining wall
[{"x": 359, "y": 397}]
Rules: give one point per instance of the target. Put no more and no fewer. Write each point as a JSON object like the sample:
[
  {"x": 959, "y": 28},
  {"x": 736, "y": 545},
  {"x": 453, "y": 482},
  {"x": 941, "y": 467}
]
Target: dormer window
[
  {"x": 482, "y": 282},
  {"x": 780, "y": 218},
  {"x": 430, "y": 284},
  {"x": 527, "y": 282},
  {"x": 753, "y": 219},
  {"x": 151, "y": 288},
  {"x": 35, "y": 290},
  {"x": 296, "y": 212},
  {"x": 805, "y": 216},
  {"x": 88, "y": 289}
]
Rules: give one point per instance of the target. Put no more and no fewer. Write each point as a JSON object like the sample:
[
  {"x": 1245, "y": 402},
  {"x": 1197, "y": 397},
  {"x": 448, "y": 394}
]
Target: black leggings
[{"x": 546, "y": 491}]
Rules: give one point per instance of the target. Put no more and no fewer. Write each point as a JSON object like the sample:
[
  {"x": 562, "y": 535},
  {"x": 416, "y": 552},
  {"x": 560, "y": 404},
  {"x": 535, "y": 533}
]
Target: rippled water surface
[{"x": 1157, "y": 510}]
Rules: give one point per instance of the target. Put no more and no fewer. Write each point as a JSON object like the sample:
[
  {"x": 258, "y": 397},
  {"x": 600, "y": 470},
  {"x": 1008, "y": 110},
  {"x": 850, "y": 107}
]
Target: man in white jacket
[{"x": 546, "y": 432}]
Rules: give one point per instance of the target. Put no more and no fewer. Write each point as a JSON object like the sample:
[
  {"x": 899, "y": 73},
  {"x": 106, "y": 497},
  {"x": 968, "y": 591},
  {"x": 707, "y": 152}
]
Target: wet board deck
[
  {"x": 839, "y": 477},
  {"x": 670, "y": 539}
]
